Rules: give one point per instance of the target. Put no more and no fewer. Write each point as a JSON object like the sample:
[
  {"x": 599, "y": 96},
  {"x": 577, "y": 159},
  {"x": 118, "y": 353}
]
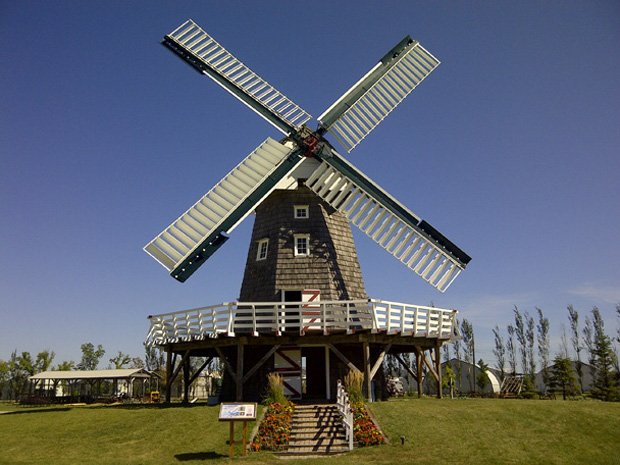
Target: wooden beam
[
  {"x": 379, "y": 361},
  {"x": 226, "y": 363},
  {"x": 204, "y": 365},
  {"x": 406, "y": 366},
  {"x": 344, "y": 359},
  {"x": 239, "y": 396},
  {"x": 430, "y": 366},
  {"x": 260, "y": 362},
  {"x": 178, "y": 368}
]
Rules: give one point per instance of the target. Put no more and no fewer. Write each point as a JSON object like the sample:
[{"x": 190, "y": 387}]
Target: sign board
[{"x": 237, "y": 411}]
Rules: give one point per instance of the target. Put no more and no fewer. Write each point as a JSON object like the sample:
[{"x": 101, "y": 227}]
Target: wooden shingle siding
[{"x": 332, "y": 265}]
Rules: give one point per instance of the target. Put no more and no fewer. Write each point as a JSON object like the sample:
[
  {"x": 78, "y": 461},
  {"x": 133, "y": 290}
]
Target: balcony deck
[{"x": 256, "y": 319}]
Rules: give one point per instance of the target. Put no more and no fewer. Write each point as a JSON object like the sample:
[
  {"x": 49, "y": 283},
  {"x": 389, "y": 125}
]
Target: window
[
  {"x": 302, "y": 245},
  {"x": 263, "y": 246},
  {"x": 301, "y": 211}
]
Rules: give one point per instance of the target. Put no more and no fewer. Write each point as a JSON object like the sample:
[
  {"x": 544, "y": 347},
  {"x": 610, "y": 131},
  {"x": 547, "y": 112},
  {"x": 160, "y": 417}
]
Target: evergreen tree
[
  {"x": 562, "y": 376},
  {"x": 605, "y": 385},
  {"x": 482, "y": 379}
]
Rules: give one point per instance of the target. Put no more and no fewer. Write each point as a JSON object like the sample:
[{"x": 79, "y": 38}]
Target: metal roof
[{"x": 95, "y": 374}]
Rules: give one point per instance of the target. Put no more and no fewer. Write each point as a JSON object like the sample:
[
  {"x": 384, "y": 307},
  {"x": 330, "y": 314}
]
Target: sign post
[{"x": 237, "y": 411}]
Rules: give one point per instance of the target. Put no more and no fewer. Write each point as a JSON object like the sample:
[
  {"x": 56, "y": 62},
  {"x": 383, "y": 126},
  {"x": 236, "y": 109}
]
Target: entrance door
[{"x": 314, "y": 358}]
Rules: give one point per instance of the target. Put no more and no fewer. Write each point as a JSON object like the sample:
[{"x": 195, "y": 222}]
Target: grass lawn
[{"x": 474, "y": 431}]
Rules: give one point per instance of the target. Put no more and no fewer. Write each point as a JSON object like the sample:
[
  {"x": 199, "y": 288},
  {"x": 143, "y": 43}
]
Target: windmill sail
[
  {"x": 193, "y": 45},
  {"x": 188, "y": 242},
  {"x": 351, "y": 118},
  {"x": 382, "y": 218}
]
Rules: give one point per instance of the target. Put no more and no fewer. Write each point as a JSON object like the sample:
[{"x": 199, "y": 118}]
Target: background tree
[
  {"x": 458, "y": 355},
  {"x": 90, "y": 356},
  {"x": 44, "y": 361},
  {"x": 618, "y": 330},
  {"x": 511, "y": 350},
  {"x": 447, "y": 380},
  {"x": 154, "y": 358},
  {"x": 605, "y": 386},
  {"x": 499, "y": 351},
  {"x": 543, "y": 343},
  {"x": 588, "y": 342},
  {"x": 562, "y": 376},
  {"x": 520, "y": 334},
  {"x": 4, "y": 378},
  {"x": 65, "y": 366},
  {"x": 530, "y": 338},
  {"x": 573, "y": 319},
  {"x": 482, "y": 379},
  {"x": 120, "y": 360},
  {"x": 16, "y": 375},
  {"x": 564, "y": 343},
  {"x": 467, "y": 331}
]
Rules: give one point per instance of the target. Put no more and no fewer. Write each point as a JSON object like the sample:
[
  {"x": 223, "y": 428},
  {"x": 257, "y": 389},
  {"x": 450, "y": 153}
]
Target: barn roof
[{"x": 95, "y": 374}]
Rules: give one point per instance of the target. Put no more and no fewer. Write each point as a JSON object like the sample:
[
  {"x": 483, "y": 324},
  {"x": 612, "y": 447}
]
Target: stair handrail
[{"x": 346, "y": 412}]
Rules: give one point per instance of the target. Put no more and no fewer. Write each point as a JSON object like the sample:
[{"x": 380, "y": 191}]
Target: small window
[
  {"x": 302, "y": 245},
  {"x": 263, "y": 246},
  {"x": 301, "y": 211}
]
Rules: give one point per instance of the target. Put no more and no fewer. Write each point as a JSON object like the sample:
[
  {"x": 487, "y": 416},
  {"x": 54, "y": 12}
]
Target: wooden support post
[
  {"x": 231, "y": 439},
  {"x": 367, "y": 379},
  {"x": 418, "y": 357},
  {"x": 438, "y": 369},
  {"x": 239, "y": 396},
  {"x": 186, "y": 368},
  {"x": 168, "y": 374}
]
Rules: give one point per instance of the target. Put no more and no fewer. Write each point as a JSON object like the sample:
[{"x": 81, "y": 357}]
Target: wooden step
[{"x": 316, "y": 430}]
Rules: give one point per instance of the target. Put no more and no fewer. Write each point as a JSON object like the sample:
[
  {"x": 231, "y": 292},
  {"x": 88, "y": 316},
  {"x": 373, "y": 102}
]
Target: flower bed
[
  {"x": 274, "y": 431},
  {"x": 364, "y": 429}
]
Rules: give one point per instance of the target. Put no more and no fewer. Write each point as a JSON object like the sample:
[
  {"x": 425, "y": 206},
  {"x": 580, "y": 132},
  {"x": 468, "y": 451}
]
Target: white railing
[
  {"x": 346, "y": 413},
  {"x": 255, "y": 318}
]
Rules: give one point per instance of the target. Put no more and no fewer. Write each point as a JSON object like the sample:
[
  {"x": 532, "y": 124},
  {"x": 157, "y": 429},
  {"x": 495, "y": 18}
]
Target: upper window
[
  {"x": 263, "y": 246},
  {"x": 302, "y": 245},
  {"x": 301, "y": 211}
]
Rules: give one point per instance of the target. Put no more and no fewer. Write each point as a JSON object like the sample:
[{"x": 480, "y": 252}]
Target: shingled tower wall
[{"x": 332, "y": 265}]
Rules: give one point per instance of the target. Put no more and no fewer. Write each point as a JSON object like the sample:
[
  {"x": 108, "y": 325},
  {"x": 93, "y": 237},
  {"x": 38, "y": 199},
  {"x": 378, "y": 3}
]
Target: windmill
[{"x": 305, "y": 175}]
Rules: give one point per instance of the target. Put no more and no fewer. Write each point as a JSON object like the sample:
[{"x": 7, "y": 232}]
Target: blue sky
[{"x": 510, "y": 148}]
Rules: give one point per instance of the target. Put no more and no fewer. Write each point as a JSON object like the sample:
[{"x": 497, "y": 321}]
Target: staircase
[{"x": 316, "y": 430}]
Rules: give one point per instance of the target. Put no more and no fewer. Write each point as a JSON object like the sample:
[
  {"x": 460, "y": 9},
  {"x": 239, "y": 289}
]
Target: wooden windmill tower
[{"x": 303, "y": 296}]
